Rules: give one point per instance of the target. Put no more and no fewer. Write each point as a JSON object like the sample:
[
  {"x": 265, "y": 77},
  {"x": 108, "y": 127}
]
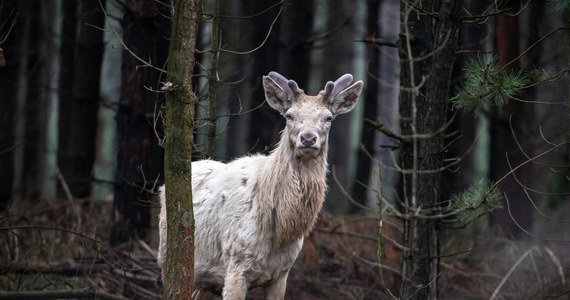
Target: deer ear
[
  {"x": 276, "y": 96},
  {"x": 345, "y": 101}
]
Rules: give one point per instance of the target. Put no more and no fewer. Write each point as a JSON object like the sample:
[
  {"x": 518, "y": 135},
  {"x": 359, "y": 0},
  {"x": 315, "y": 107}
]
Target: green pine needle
[
  {"x": 486, "y": 84},
  {"x": 479, "y": 199}
]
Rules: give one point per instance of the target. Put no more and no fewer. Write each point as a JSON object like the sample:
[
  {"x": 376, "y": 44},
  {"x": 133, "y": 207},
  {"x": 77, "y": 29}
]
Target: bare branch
[
  {"x": 124, "y": 46},
  {"x": 262, "y": 43}
]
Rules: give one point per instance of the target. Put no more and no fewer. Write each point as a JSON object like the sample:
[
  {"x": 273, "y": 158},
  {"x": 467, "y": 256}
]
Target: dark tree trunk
[
  {"x": 462, "y": 131},
  {"x": 139, "y": 156},
  {"x": 338, "y": 60},
  {"x": 77, "y": 148},
  {"x": 245, "y": 135},
  {"x": 263, "y": 129},
  {"x": 423, "y": 111},
  {"x": 69, "y": 26},
  {"x": 503, "y": 143},
  {"x": 370, "y": 106},
  {"x": 8, "y": 90},
  {"x": 34, "y": 117},
  {"x": 294, "y": 41}
]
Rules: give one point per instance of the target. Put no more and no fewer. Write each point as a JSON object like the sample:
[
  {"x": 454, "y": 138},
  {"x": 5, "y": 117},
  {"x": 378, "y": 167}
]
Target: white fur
[{"x": 252, "y": 214}]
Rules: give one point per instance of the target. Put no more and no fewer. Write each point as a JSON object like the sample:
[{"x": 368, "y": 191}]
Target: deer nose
[{"x": 308, "y": 139}]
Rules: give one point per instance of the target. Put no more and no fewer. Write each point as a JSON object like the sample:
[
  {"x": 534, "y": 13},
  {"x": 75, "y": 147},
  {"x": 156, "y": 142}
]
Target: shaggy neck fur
[{"x": 292, "y": 191}]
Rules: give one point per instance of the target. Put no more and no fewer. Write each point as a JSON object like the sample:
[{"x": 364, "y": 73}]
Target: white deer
[{"x": 253, "y": 213}]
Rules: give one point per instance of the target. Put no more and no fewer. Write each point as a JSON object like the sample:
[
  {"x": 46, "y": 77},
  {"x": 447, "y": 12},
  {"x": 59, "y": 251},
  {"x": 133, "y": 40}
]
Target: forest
[{"x": 449, "y": 180}]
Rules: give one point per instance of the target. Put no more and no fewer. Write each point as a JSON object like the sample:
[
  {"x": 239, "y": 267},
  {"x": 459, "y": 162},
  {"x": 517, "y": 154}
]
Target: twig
[
  {"x": 125, "y": 47},
  {"x": 379, "y": 41},
  {"x": 506, "y": 277},
  {"x": 64, "y": 184},
  {"x": 262, "y": 43}
]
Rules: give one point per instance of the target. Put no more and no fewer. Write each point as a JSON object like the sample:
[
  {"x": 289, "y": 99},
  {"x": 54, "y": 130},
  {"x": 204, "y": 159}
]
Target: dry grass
[{"x": 58, "y": 247}]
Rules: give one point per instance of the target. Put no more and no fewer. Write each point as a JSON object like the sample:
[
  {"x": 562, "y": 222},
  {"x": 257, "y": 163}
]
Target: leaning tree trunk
[
  {"x": 426, "y": 53},
  {"x": 179, "y": 266}
]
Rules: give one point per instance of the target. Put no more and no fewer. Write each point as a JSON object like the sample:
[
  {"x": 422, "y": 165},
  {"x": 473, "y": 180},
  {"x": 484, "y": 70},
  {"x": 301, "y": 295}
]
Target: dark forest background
[{"x": 82, "y": 87}]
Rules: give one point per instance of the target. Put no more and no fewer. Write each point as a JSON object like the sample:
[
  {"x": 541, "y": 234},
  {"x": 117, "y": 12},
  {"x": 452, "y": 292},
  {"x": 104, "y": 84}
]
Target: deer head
[{"x": 309, "y": 117}]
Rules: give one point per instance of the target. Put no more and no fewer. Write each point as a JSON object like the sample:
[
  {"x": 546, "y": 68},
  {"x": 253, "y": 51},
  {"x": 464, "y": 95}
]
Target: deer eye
[
  {"x": 289, "y": 117},
  {"x": 328, "y": 118}
]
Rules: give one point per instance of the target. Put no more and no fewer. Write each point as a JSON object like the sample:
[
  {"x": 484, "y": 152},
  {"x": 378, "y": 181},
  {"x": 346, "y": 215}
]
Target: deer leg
[
  {"x": 235, "y": 287},
  {"x": 276, "y": 291}
]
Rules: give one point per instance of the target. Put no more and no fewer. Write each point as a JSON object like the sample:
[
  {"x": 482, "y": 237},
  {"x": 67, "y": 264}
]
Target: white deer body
[{"x": 253, "y": 213}]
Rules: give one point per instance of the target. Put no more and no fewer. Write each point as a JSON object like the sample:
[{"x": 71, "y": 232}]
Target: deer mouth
[{"x": 303, "y": 150}]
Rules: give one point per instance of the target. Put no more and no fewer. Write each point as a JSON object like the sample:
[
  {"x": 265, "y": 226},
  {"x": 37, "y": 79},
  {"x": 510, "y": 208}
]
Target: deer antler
[
  {"x": 289, "y": 86},
  {"x": 332, "y": 89}
]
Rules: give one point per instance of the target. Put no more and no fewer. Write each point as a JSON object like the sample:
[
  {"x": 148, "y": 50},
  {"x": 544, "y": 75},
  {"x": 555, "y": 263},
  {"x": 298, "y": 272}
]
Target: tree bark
[
  {"x": 423, "y": 104},
  {"x": 179, "y": 266},
  {"x": 139, "y": 155}
]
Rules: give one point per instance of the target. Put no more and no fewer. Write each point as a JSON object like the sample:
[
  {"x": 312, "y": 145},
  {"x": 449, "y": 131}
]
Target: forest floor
[{"x": 59, "y": 252}]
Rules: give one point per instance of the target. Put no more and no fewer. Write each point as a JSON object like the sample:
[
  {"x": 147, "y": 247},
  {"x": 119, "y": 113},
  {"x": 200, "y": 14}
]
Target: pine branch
[
  {"x": 479, "y": 199},
  {"x": 486, "y": 84}
]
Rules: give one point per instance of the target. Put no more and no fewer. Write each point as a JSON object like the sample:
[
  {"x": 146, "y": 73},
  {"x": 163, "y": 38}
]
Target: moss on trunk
[{"x": 179, "y": 267}]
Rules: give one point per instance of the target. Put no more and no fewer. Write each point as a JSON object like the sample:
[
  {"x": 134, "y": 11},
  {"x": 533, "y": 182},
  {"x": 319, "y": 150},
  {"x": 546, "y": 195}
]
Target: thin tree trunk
[
  {"x": 423, "y": 106},
  {"x": 179, "y": 266}
]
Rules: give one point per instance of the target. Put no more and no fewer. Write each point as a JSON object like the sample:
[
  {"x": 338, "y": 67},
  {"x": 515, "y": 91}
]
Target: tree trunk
[
  {"x": 370, "y": 106},
  {"x": 465, "y": 125},
  {"x": 78, "y": 114},
  {"x": 179, "y": 266},
  {"x": 338, "y": 60},
  {"x": 294, "y": 40},
  {"x": 139, "y": 156},
  {"x": 8, "y": 90},
  {"x": 30, "y": 114},
  {"x": 244, "y": 133},
  {"x": 423, "y": 104},
  {"x": 66, "y": 79},
  {"x": 262, "y": 138},
  {"x": 503, "y": 142}
]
